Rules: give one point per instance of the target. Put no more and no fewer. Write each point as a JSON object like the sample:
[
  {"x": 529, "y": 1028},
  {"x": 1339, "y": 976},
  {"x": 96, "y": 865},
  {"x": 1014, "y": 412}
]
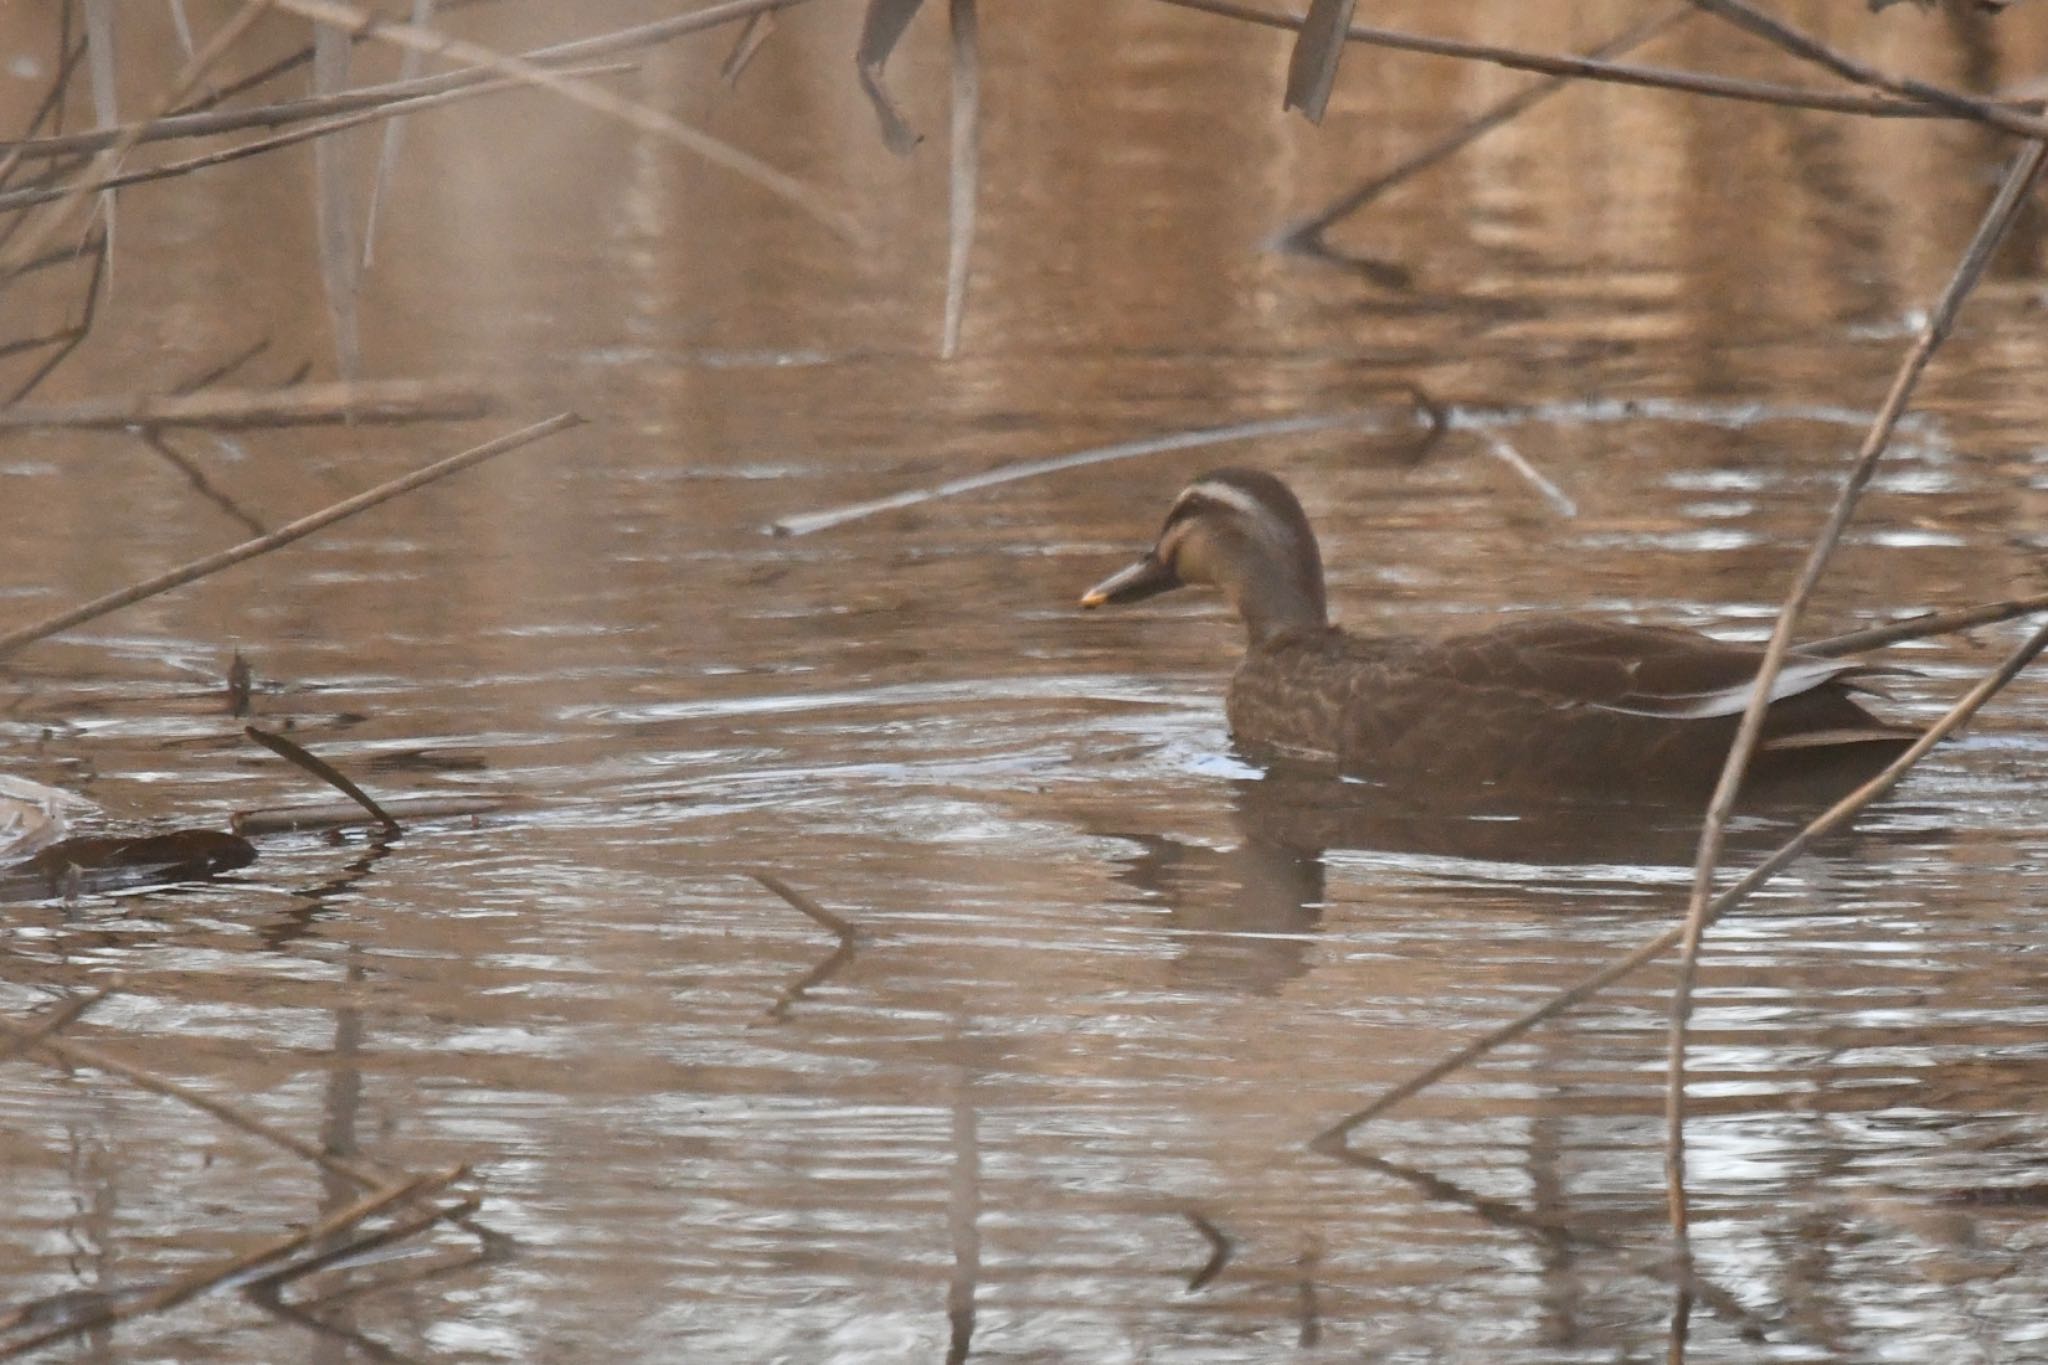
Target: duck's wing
[{"x": 1635, "y": 670}]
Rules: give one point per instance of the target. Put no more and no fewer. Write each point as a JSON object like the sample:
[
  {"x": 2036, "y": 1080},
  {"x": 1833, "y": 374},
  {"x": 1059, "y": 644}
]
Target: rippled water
[{"x": 1110, "y": 980}]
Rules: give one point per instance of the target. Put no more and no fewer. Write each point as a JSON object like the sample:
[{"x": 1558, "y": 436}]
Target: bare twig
[
  {"x": 284, "y": 535},
  {"x": 1219, "y": 1251},
  {"x": 1332, "y": 1139},
  {"x": 2019, "y": 181}
]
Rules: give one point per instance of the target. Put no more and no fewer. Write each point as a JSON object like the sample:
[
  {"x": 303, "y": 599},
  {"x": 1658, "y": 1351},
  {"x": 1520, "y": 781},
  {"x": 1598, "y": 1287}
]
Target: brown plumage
[{"x": 1556, "y": 704}]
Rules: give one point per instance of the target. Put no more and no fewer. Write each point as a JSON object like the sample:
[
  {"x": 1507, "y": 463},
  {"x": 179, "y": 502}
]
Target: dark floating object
[
  {"x": 97, "y": 864},
  {"x": 1543, "y": 706}
]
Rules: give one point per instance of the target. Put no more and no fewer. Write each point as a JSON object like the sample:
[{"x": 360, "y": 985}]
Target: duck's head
[{"x": 1239, "y": 530}]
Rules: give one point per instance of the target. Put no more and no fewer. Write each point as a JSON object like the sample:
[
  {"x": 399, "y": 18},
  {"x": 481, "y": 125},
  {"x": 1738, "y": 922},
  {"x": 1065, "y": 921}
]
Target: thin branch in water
[
  {"x": 1332, "y": 1139},
  {"x": 2018, "y": 184},
  {"x": 803, "y": 524},
  {"x": 284, "y": 535},
  {"x": 52, "y": 104},
  {"x": 964, "y": 179}
]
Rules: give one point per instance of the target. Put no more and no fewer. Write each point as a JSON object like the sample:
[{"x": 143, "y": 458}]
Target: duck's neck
[{"x": 1276, "y": 598}]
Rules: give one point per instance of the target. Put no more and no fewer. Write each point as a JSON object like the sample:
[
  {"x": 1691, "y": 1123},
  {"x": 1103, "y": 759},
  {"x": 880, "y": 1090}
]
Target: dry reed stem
[
  {"x": 211, "y": 122},
  {"x": 1998, "y": 216},
  {"x": 284, "y": 535},
  {"x": 1661, "y": 78},
  {"x": 881, "y": 29},
  {"x": 370, "y": 400},
  {"x": 963, "y": 184},
  {"x": 81, "y": 1054},
  {"x": 187, "y": 1287},
  {"x": 34, "y": 237},
  {"x": 1332, "y": 1139},
  {"x": 357, "y": 20},
  {"x": 804, "y": 523}
]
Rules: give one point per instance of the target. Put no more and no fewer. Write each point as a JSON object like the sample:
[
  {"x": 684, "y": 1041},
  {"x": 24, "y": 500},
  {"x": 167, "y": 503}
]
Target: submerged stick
[
  {"x": 849, "y": 940},
  {"x": 1998, "y": 216},
  {"x": 804, "y": 523},
  {"x": 1332, "y": 1139},
  {"x": 284, "y": 535}
]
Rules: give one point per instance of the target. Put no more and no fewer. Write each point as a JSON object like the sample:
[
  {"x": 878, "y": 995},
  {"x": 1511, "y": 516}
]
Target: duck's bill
[{"x": 1146, "y": 578}]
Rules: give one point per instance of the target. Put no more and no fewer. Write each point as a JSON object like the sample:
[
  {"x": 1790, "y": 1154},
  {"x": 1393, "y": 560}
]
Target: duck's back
[{"x": 1556, "y": 702}]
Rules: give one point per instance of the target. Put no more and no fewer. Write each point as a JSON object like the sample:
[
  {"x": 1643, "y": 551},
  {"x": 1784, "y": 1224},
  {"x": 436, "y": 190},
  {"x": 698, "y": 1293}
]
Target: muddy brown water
[{"x": 1110, "y": 981}]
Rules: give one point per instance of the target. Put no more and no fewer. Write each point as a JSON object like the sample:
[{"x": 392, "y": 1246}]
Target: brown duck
[{"x": 1554, "y": 704}]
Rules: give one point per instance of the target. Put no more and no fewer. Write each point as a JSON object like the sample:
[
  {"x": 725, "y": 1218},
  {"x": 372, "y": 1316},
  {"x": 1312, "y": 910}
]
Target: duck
[{"x": 1562, "y": 705}]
